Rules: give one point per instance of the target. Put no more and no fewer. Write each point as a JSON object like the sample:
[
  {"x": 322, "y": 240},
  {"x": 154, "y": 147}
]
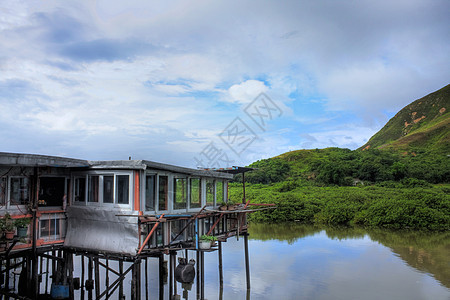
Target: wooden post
[
  {"x": 7, "y": 275},
  {"x": 107, "y": 276},
  {"x": 247, "y": 263},
  {"x": 41, "y": 263},
  {"x": 35, "y": 265},
  {"x": 90, "y": 271},
  {"x": 146, "y": 278},
  {"x": 121, "y": 282},
  {"x": 135, "y": 280},
  {"x": 220, "y": 265},
  {"x": 82, "y": 278},
  {"x": 133, "y": 283},
  {"x": 53, "y": 264},
  {"x": 47, "y": 265},
  {"x": 161, "y": 276},
  {"x": 174, "y": 258},
  {"x": 70, "y": 275},
  {"x": 171, "y": 267},
  {"x": 138, "y": 279},
  {"x": 243, "y": 187},
  {"x": 202, "y": 255},
  {"x": 97, "y": 278},
  {"x": 198, "y": 274}
]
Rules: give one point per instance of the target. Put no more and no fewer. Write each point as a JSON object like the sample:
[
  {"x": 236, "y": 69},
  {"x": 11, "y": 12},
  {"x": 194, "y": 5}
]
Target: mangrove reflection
[{"x": 427, "y": 252}]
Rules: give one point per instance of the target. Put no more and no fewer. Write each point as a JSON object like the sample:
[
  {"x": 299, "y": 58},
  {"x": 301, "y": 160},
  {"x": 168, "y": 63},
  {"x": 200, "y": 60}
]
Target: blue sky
[{"x": 162, "y": 80}]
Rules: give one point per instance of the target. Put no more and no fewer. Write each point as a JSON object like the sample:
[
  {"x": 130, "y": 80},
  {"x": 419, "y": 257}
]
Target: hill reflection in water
[{"x": 319, "y": 262}]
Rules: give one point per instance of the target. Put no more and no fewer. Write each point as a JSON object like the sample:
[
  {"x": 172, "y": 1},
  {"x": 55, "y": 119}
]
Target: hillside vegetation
[
  {"x": 423, "y": 125},
  {"x": 399, "y": 179}
]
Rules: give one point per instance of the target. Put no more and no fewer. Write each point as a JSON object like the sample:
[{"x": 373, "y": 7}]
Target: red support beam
[{"x": 150, "y": 234}]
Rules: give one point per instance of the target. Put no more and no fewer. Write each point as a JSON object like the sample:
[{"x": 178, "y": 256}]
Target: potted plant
[
  {"x": 231, "y": 205},
  {"x": 206, "y": 241},
  {"x": 223, "y": 206},
  {"x": 22, "y": 226},
  {"x": 8, "y": 226}
]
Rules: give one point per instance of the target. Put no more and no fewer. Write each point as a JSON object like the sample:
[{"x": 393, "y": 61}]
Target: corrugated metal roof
[{"x": 36, "y": 160}]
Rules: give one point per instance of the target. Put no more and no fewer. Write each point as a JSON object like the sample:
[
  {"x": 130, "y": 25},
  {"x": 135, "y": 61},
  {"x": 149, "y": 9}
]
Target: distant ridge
[{"x": 423, "y": 125}]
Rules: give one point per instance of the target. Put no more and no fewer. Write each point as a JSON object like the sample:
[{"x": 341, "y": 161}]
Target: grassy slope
[{"x": 423, "y": 124}]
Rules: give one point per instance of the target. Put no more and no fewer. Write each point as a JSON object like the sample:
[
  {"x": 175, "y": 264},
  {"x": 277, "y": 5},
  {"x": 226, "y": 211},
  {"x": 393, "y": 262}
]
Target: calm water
[{"x": 305, "y": 262}]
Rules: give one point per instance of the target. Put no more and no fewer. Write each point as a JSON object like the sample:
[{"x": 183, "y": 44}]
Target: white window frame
[
  {"x": 101, "y": 175},
  {"x": 9, "y": 191},
  {"x": 174, "y": 177},
  {"x": 169, "y": 192},
  {"x": 200, "y": 180},
  {"x": 5, "y": 191},
  {"x": 156, "y": 191}
]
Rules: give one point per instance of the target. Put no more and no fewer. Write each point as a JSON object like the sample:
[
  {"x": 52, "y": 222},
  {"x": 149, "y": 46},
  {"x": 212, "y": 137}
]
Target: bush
[{"x": 395, "y": 206}]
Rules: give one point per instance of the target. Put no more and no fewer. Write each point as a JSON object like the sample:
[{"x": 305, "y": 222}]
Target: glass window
[
  {"x": 180, "y": 193},
  {"x": 108, "y": 189},
  {"x": 150, "y": 192},
  {"x": 2, "y": 191},
  {"x": 196, "y": 193},
  {"x": 123, "y": 184},
  {"x": 50, "y": 228},
  {"x": 20, "y": 190},
  {"x": 52, "y": 191},
  {"x": 175, "y": 231},
  {"x": 80, "y": 189},
  {"x": 209, "y": 192},
  {"x": 163, "y": 192},
  {"x": 93, "y": 188},
  {"x": 219, "y": 192}
]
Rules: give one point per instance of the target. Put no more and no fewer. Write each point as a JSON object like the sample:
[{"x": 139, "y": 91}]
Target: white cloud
[
  {"x": 172, "y": 72},
  {"x": 350, "y": 137},
  {"x": 246, "y": 91}
]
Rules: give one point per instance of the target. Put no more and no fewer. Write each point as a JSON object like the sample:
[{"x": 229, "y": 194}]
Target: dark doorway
[{"x": 51, "y": 192}]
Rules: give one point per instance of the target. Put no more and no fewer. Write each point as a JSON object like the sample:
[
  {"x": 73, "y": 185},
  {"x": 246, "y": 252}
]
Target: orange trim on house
[
  {"x": 46, "y": 212},
  {"x": 38, "y": 243},
  {"x": 42, "y": 242},
  {"x": 137, "y": 206},
  {"x": 21, "y": 216}
]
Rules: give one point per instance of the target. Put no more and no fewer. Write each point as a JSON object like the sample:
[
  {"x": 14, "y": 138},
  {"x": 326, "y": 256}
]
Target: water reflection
[{"x": 295, "y": 261}]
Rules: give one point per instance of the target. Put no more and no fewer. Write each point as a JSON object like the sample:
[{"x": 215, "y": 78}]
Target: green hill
[
  {"x": 378, "y": 185},
  {"x": 423, "y": 125},
  {"x": 421, "y": 129}
]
